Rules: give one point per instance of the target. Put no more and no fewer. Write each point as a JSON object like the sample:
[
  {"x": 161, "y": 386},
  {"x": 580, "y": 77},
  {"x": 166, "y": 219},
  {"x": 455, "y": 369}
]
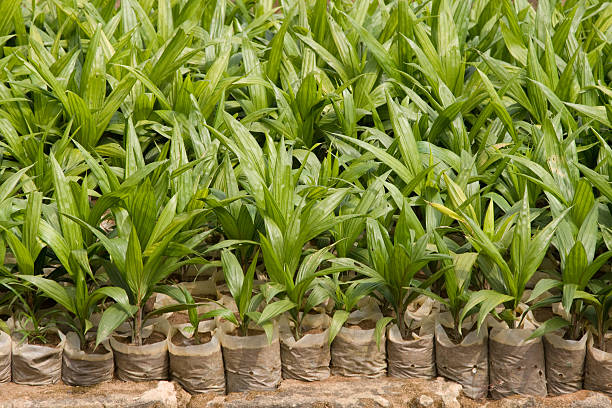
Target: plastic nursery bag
[
  {"x": 80, "y": 368},
  {"x": 308, "y": 358},
  {"x": 198, "y": 368}
]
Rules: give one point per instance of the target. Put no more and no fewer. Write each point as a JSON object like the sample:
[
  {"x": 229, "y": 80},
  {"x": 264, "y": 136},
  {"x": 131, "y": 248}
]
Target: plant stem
[
  {"x": 601, "y": 344},
  {"x": 137, "y": 338},
  {"x": 574, "y": 331},
  {"x": 81, "y": 334},
  {"x": 401, "y": 324}
]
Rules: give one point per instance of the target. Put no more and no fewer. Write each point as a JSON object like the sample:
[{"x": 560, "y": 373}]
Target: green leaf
[
  {"x": 380, "y": 329},
  {"x": 52, "y": 290},
  {"x": 340, "y": 317},
  {"x": 548, "y": 326},
  {"x": 222, "y": 313},
  {"x": 569, "y": 292},
  {"x": 488, "y": 300},
  {"x": 134, "y": 267},
  {"x": 112, "y": 318},
  {"x": 543, "y": 285},
  {"x": 232, "y": 270},
  {"x": 274, "y": 310}
]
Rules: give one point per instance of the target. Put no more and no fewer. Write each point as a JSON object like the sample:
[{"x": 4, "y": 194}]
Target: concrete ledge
[{"x": 336, "y": 392}]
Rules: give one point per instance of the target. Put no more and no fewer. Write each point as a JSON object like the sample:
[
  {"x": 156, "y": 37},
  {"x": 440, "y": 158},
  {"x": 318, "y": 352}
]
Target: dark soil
[
  {"x": 52, "y": 340},
  {"x": 363, "y": 325},
  {"x": 178, "y": 318},
  {"x": 408, "y": 333},
  {"x": 155, "y": 337},
  {"x": 453, "y": 334},
  {"x": 199, "y": 338},
  {"x": 90, "y": 348},
  {"x": 542, "y": 314},
  {"x": 251, "y": 332}
]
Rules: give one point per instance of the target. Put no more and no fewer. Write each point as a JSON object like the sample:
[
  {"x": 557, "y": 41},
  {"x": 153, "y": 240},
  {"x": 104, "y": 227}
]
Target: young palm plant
[
  {"x": 147, "y": 249},
  {"x": 395, "y": 264},
  {"x": 67, "y": 244},
  {"x": 240, "y": 285},
  {"x": 526, "y": 255}
]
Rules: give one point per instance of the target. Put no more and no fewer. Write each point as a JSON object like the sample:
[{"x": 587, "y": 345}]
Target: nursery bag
[
  {"x": 564, "y": 363},
  {"x": 413, "y": 358},
  {"x": 598, "y": 368},
  {"x": 198, "y": 368},
  {"x": 517, "y": 364},
  {"x": 142, "y": 363},
  {"x": 36, "y": 364},
  {"x": 466, "y": 363},
  {"x": 80, "y": 368},
  {"x": 5, "y": 357},
  {"x": 251, "y": 363},
  {"x": 308, "y": 358}
]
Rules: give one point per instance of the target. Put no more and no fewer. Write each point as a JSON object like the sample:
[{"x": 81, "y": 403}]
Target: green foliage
[{"x": 371, "y": 148}]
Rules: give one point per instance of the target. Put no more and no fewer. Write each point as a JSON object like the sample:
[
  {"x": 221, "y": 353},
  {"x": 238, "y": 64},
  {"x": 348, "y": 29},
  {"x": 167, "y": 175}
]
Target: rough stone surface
[
  {"x": 595, "y": 400},
  {"x": 335, "y": 392},
  {"x": 152, "y": 394},
  {"x": 425, "y": 401}
]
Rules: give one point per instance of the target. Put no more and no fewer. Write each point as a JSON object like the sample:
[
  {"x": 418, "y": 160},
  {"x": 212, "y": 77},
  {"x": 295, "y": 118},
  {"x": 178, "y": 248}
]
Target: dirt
[
  {"x": 155, "y": 337},
  {"x": 178, "y": 318},
  {"x": 542, "y": 314},
  {"x": 363, "y": 325},
  {"x": 12, "y": 391},
  {"x": 251, "y": 332},
  {"x": 408, "y": 334},
  {"x": 51, "y": 340},
  {"x": 333, "y": 392},
  {"x": 90, "y": 347},
  {"x": 199, "y": 338},
  {"x": 369, "y": 393},
  {"x": 453, "y": 334}
]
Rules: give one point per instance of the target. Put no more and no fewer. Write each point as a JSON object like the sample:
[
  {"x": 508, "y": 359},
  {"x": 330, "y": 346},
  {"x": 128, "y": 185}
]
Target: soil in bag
[
  {"x": 251, "y": 363},
  {"x": 413, "y": 356},
  {"x": 37, "y": 364},
  {"x": 564, "y": 363},
  {"x": 306, "y": 359},
  {"x": 196, "y": 361},
  {"x": 517, "y": 364},
  {"x": 90, "y": 366},
  {"x": 598, "y": 367},
  {"x": 465, "y": 362},
  {"x": 142, "y": 363},
  {"x": 5, "y": 357},
  {"x": 198, "y": 339},
  {"x": 354, "y": 352}
]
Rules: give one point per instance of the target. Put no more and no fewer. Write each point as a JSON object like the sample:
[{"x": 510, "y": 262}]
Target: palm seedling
[
  {"x": 66, "y": 239},
  {"x": 346, "y": 297},
  {"x": 293, "y": 215},
  {"x": 147, "y": 248},
  {"x": 395, "y": 264},
  {"x": 240, "y": 285},
  {"x": 32, "y": 319},
  {"x": 183, "y": 297},
  {"x": 507, "y": 279}
]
